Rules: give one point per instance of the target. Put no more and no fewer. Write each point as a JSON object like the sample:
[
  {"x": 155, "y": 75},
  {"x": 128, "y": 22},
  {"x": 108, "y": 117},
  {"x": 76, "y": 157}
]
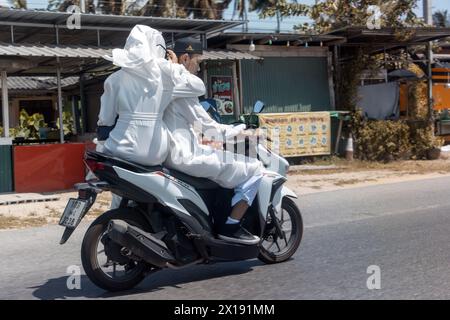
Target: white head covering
[{"x": 142, "y": 45}]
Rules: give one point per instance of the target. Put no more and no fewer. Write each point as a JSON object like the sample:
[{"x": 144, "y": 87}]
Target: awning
[
  {"x": 77, "y": 59},
  {"x": 114, "y": 22},
  {"x": 295, "y": 39},
  {"x": 74, "y": 59},
  {"x": 62, "y": 51},
  {"x": 97, "y": 29},
  {"x": 39, "y": 83},
  {"x": 361, "y": 36},
  {"x": 442, "y": 56},
  {"x": 227, "y": 55},
  {"x": 79, "y": 51}
]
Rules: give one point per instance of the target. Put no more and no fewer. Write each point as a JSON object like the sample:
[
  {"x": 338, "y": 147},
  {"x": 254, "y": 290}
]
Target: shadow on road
[{"x": 56, "y": 288}]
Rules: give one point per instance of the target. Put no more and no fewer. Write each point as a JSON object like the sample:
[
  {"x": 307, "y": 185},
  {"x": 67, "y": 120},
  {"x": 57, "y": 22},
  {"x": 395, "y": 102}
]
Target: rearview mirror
[
  {"x": 258, "y": 107},
  {"x": 209, "y": 105},
  {"x": 206, "y": 105}
]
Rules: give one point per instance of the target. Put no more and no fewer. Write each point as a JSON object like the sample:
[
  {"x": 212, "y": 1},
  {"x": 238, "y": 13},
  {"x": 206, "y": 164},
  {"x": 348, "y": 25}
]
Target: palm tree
[
  {"x": 63, "y": 5},
  {"x": 440, "y": 19},
  {"x": 19, "y": 4},
  {"x": 262, "y": 5},
  {"x": 198, "y": 9}
]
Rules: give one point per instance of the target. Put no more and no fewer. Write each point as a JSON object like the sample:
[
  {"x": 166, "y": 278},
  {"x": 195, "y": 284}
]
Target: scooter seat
[
  {"x": 125, "y": 164},
  {"x": 197, "y": 183}
]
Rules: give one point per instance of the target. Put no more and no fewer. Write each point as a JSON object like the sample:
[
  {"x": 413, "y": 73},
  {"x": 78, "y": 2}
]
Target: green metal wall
[
  {"x": 288, "y": 84},
  {"x": 220, "y": 68},
  {"x": 6, "y": 171}
]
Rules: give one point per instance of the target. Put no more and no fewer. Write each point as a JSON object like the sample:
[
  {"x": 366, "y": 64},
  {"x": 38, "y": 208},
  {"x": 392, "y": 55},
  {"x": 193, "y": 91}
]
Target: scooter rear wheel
[
  {"x": 275, "y": 249},
  {"x": 93, "y": 257}
]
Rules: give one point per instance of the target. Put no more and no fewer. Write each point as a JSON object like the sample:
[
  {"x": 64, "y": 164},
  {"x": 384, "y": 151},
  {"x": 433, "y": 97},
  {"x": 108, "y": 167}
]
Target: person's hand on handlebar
[
  {"x": 252, "y": 133},
  {"x": 213, "y": 144}
]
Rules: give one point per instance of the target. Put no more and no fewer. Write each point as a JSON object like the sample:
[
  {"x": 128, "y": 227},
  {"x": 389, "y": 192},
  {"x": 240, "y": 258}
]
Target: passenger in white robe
[{"x": 184, "y": 118}]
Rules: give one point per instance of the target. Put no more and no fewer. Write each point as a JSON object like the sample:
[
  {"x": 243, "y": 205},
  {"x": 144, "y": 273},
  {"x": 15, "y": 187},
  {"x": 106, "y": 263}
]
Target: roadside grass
[
  {"x": 50, "y": 213},
  {"x": 404, "y": 167},
  {"x": 343, "y": 182},
  {"x": 8, "y": 222}
]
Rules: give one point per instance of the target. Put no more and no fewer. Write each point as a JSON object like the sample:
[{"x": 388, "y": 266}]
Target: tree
[
  {"x": 63, "y": 5},
  {"x": 198, "y": 9},
  {"x": 440, "y": 19},
  {"x": 263, "y": 5},
  {"x": 327, "y": 15},
  {"x": 333, "y": 14},
  {"x": 19, "y": 4}
]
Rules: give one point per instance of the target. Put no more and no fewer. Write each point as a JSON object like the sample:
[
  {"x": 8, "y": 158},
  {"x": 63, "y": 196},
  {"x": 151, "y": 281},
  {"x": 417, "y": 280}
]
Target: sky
[{"x": 258, "y": 25}]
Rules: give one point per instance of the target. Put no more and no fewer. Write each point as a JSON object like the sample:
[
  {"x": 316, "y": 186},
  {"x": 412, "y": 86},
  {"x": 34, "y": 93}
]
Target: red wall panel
[{"x": 48, "y": 167}]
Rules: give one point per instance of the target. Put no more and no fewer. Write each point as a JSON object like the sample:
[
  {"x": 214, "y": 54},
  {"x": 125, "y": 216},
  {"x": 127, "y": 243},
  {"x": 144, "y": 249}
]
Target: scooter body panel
[{"x": 165, "y": 188}]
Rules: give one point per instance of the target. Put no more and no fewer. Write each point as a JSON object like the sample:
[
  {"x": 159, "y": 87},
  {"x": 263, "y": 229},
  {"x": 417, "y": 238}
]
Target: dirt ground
[
  {"x": 40, "y": 213},
  {"x": 332, "y": 174},
  {"x": 355, "y": 174}
]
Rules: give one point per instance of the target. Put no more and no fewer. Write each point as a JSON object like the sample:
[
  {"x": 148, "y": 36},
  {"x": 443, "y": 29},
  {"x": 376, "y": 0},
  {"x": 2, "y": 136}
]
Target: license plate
[{"x": 73, "y": 213}]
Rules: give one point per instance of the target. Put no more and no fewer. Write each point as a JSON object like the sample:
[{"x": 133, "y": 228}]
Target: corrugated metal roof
[
  {"x": 38, "y": 50},
  {"x": 38, "y": 83},
  {"x": 389, "y": 36},
  {"x": 104, "y": 21},
  {"x": 227, "y": 55},
  {"x": 441, "y": 56}
]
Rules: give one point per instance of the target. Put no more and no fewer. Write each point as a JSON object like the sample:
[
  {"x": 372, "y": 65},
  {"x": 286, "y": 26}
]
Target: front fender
[{"x": 278, "y": 199}]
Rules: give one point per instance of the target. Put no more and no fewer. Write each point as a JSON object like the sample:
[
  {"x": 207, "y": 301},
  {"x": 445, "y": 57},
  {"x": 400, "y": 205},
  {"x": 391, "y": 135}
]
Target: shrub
[
  {"x": 29, "y": 125},
  {"x": 380, "y": 140},
  {"x": 424, "y": 140},
  {"x": 68, "y": 123},
  {"x": 383, "y": 140}
]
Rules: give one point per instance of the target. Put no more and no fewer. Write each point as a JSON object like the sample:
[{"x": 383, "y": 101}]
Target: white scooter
[{"x": 167, "y": 219}]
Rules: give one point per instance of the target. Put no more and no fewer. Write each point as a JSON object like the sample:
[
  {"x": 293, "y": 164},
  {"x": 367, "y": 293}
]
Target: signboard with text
[
  {"x": 222, "y": 92},
  {"x": 298, "y": 134}
]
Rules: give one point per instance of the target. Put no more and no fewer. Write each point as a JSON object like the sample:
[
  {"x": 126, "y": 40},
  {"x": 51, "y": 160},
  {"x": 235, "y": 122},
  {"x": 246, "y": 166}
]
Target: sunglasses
[{"x": 165, "y": 49}]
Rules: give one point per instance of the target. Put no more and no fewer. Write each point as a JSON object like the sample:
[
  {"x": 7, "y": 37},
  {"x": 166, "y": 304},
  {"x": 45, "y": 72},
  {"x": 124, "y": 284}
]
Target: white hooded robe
[
  {"x": 185, "y": 118},
  {"x": 139, "y": 93}
]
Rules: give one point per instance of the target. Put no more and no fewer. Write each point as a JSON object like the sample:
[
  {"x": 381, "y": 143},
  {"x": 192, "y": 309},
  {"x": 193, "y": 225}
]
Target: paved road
[{"x": 403, "y": 228}]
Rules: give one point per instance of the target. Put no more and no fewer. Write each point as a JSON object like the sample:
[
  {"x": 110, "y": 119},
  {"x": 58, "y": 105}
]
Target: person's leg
[
  {"x": 242, "y": 200},
  {"x": 239, "y": 210}
]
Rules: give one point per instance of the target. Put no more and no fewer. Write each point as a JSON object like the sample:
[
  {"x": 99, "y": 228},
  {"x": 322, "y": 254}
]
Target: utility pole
[
  {"x": 174, "y": 8},
  {"x": 82, "y": 6},
  {"x": 428, "y": 17},
  {"x": 427, "y": 11}
]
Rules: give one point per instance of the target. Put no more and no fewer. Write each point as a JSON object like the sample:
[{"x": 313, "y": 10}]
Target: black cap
[{"x": 188, "y": 45}]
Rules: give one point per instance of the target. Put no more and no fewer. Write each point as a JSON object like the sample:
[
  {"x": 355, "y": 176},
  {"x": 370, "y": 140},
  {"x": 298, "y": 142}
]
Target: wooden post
[
  {"x": 83, "y": 106},
  {"x": 237, "y": 106},
  {"x": 60, "y": 107},
  {"x": 330, "y": 81},
  {"x": 241, "y": 94},
  {"x": 430, "y": 80},
  {"x": 337, "y": 77},
  {"x": 5, "y": 104}
]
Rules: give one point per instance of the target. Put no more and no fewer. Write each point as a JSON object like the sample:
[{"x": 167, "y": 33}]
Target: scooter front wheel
[{"x": 282, "y": 237}]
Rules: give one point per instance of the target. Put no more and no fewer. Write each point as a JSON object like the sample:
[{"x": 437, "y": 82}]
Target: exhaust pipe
[{"x": 140, "y": 243}]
